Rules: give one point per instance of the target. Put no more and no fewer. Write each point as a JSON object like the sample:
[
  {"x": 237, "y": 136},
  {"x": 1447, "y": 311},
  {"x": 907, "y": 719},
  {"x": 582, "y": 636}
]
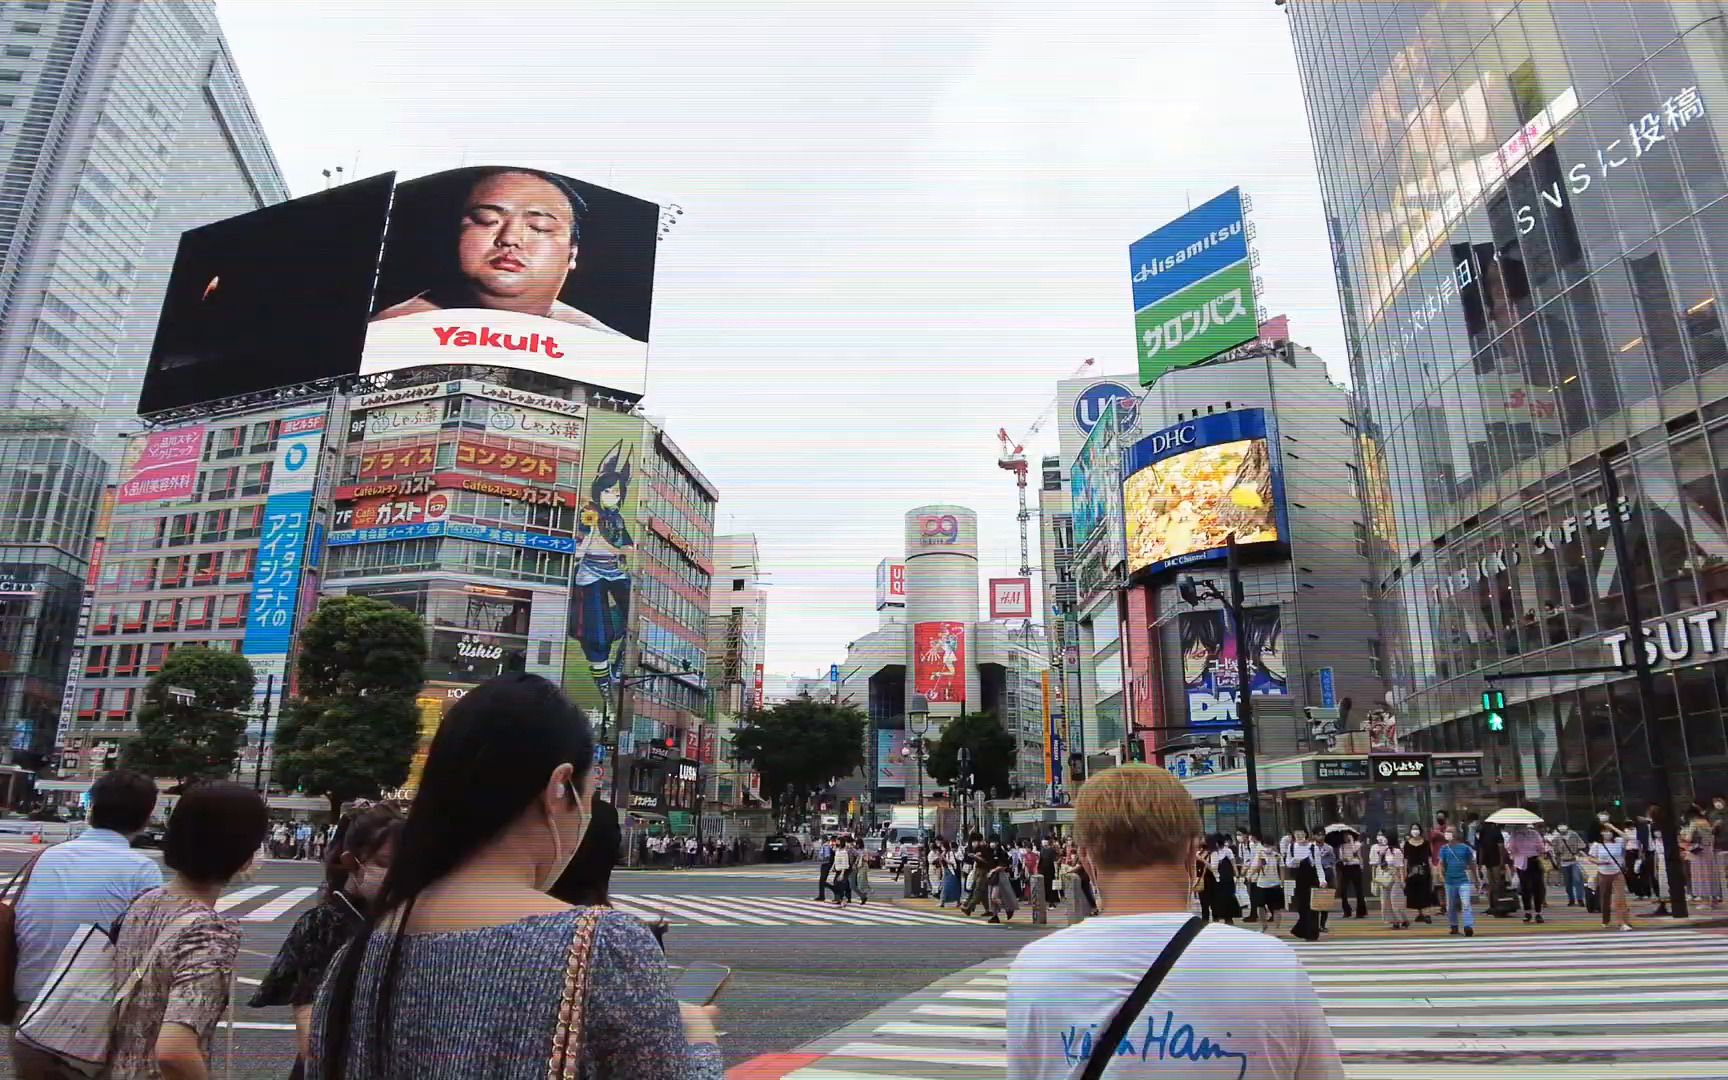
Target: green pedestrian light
[{"x": 1494, "y": 704}]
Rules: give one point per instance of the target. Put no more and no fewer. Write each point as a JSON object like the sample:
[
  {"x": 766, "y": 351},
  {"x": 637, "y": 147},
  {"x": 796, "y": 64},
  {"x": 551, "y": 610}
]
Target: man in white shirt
[
  {"x": 1236, "y": 1006},
  {"x": 90, "y": 880}
]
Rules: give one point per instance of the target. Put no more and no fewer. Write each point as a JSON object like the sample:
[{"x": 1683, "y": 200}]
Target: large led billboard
[
  {"x": 271, "y": 298},
  {"x": 1193, "y": 288},
  {"x": 1188, "y": 487},
  {"x": 492, "y": 266},
  {"x": 514, "y": 267}
]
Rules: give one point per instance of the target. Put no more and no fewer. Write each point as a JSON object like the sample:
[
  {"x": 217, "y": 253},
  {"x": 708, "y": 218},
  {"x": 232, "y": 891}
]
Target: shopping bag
[
  {"x": 1322, "y": 899},
  {"x": 73, "y": 1017}
]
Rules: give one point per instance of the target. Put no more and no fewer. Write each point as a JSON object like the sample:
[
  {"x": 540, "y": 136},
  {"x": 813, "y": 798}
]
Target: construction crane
[{"x": 1013, "y": 459}]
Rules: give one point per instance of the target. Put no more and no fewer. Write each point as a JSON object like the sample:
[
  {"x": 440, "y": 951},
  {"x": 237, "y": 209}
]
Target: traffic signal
[
  {"x": 1494, "y": 704},
  {"x": 1136, "y": 750}
]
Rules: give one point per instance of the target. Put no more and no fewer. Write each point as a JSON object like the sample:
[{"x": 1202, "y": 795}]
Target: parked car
[
  {"x": 781, "y": 848},
  {"x": 152, "y": 836}
]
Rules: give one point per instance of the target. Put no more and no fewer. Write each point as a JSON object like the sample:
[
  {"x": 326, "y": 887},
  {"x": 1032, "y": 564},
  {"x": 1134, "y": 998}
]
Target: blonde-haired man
[{"x": 1236, "y": 1006}]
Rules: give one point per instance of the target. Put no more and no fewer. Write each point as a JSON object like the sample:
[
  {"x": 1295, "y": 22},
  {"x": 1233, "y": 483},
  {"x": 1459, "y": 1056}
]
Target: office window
[
  {"x": 133, "y": 616},
  {"x": 222, "y": 483},
  {"x": 206, "y": 567},
  {"x": 154, "y": 656},
  {"x": 233, "y": 610},
  {"x": 126, "y": 661},
  {"x": 96, "y": 661},
  {"x": 256, "y": 480},
  {"x": 167, "y": 615},
  {"x": 240, "y": 565},
  {"x": 215, "y": 527},
  {"x": 174, "y": 571},
  {"x": 104, "y": 619},
  {"x": 11, "y": 75},
  {"x": 198, "y": 612},
  {"x": 248, "y": 522},
  {"x": 27, "y": 28}
]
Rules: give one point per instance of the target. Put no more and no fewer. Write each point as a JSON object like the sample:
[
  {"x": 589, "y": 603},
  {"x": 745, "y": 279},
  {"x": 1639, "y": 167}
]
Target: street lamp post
[
  {"x": 918, "y": 723},
  {"x": 1193, "y": 590}
]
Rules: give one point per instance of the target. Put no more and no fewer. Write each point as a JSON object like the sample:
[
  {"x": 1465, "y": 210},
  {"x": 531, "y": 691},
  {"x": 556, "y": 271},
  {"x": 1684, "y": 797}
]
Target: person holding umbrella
[{"x": 1525, "y": 850}]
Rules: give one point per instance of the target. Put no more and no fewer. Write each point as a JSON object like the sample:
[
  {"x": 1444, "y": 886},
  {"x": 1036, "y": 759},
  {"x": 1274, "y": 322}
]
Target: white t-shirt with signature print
[{"x": 1237, "y": 1005}]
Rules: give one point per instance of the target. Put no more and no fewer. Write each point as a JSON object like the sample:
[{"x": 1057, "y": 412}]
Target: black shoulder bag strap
[{"x": 1104, "y": 1049}]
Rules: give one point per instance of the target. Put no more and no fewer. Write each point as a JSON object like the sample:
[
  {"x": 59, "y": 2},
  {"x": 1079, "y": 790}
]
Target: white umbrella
[
  {"x": 1514, "y": 815},
  {"x": 1340, "y": 827}
]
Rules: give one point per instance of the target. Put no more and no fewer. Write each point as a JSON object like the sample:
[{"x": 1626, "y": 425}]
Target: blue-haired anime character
[{"x": 600, "y": 589}]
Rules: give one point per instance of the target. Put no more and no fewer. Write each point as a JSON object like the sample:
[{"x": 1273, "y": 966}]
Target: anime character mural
[
  {"x": 940, "y": 661},
  {"x": 600, "y": 586},
  {"x": 1209, "y": 661}
]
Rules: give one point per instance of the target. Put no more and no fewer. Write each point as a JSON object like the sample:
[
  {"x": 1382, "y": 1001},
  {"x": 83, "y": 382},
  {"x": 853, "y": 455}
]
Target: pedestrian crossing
[
  {"x": 1591, "y": 1006},
  {"x": 696, "y": 909},
  {"x": 272, "y": 903}
]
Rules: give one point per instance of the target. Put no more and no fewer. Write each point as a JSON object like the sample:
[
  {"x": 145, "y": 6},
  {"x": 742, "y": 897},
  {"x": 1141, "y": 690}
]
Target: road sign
[
  {"x": 1328, "y": 694},
  {"x": 833, "y": 673}
]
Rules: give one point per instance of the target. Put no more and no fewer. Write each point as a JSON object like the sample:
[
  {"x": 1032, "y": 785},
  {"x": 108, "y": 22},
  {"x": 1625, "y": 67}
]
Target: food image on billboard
[
  {"x": 1209, "y": 662},
  {"x": 166, "y": 468},
  {"x": 939, "y": 661},
  {"x": 516, "y": 267},
  {"x": 1190, "y": 486},
  {"x": 269, "y": 298},
  {"x": 1193, "y": 288}
]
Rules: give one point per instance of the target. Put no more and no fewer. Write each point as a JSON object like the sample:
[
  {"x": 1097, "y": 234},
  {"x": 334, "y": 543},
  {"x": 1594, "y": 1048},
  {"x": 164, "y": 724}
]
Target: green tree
[
  {"x": 992, "y": 750},
  {"x": 199, "y": 740},
  {"x": 353, "y": 729},
  {"x": 801, "y": 747}
]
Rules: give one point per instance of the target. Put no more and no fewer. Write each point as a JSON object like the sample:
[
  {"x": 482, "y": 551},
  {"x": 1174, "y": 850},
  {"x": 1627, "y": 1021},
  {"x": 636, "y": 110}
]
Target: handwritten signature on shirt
[{"x": 1175, "y": 1042}]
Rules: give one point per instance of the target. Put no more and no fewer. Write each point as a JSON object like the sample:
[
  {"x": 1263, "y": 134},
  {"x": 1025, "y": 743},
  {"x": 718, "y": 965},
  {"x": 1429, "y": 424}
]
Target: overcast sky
[{"x": 904, "y": 221}]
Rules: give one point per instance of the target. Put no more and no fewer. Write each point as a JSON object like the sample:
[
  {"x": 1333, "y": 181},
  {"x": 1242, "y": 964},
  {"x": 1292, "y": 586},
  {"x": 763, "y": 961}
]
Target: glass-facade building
[{"x": 1529, "y": 211}]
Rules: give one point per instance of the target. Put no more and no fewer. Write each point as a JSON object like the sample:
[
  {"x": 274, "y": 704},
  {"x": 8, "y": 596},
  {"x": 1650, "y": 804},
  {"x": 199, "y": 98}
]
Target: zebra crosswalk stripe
[{"x": 1390, "y": 1021}]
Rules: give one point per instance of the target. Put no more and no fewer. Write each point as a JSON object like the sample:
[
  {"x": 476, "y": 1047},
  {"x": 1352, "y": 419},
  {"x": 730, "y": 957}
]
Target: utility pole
[
  {"x": 264, "y": 732},
  {"x": 1661, "y": 792},
  {"x": 1244, "y": 698}
]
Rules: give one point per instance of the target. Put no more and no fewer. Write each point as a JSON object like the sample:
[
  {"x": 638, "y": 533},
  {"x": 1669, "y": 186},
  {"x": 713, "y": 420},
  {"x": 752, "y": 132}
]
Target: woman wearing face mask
[
  {"x": 354, "y": 866},
  {"x": 466, "y": 967},
  {"x": 1419, "y": 874},
  {"x": 1387, "y": 860}
]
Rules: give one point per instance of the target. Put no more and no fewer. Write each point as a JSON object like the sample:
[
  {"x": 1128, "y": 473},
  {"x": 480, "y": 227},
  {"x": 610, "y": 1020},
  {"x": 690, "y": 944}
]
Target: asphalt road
[{"x": 800, "y": 970}]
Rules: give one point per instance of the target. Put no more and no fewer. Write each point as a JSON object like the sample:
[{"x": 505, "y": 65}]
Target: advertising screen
[
  {"x": 166, "y": 468},
  {"x": 1188, "y": 487},
  {"x": 520, "y": 268},
  {"x": 1095, "y": 480},
  {"x": 1209, "y": 662},
  {"x": 605, "y": 565},
  {"x": 939, "y": 661},
  {"x": 1193, "y": 288},
  {"x": 270, "y": 298},
  {"x": 893, "y": 770}
]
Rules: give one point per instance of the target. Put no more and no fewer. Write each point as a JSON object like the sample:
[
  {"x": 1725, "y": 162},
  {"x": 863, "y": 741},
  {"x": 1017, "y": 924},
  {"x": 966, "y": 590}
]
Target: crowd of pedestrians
[
  {"x": 470, "y": 935},
  {"x": 1448, "y": 869},
  {"x": 687, "y": 851},
  {"x": 300, "y": 840}
]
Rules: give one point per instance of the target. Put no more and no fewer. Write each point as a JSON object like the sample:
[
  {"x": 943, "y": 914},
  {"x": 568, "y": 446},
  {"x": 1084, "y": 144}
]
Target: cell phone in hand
[{"x": 700, "y": 984}]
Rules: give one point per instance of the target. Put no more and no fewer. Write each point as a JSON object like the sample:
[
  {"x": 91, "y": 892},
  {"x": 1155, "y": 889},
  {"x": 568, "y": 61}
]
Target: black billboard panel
[{"x": 270, "y": 298}]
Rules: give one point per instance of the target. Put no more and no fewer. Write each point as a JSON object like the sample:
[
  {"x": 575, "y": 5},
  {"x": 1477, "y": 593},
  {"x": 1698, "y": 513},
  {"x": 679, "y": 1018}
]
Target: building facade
[
  {"x": 737, "y": 651},
  {"x": 122, "y": 124},
  {"x": 1529, "y": 209},
  {"x": 464, "y": 500}
]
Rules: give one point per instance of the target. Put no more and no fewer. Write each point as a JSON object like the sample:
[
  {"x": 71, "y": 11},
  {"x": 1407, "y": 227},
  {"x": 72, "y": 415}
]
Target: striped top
[{"x": 484, "y": 1002}]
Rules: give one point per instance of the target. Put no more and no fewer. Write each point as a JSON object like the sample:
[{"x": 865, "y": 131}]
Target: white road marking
[{"x": 280, "y": 906}]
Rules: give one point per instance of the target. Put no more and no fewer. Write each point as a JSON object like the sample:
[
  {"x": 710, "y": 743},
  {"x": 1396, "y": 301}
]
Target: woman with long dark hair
[
  {"x": 355, "y": 862},
  {"x": 466, "y": 967}
]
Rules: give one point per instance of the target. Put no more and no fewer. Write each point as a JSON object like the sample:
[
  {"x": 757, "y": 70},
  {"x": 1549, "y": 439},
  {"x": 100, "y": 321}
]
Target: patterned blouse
[
  {"x": 187, "y": 984},
  {"x": 484, "y": 1002},
  {"x": 306, "y": 955}
]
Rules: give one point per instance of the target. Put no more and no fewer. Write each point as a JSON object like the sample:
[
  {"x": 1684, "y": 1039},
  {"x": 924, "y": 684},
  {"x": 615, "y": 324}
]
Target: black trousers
[
  {"x": 1352, "y": 880},
  {"x": 822, "y": 881},
  {"x": 1532, "y": 890}
]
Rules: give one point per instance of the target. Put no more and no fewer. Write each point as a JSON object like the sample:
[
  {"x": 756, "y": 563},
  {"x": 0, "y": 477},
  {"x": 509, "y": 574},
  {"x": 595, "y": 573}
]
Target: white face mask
[{"x": 560, "y": 855}]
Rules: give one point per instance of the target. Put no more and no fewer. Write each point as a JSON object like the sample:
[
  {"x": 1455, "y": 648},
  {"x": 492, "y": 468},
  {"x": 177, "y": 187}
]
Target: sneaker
[
  {"x": 1538, "y": 919},
  {"x": 1469, "y": 931},
  {"x": 997, "y": 921},
  {"x": 1526, "y": 916},
  {"x": 1625, "y": 926}
]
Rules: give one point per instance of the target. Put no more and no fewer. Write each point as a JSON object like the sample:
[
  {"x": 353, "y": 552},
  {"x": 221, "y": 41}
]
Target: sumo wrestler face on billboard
[{"x": 516, "y": 267}]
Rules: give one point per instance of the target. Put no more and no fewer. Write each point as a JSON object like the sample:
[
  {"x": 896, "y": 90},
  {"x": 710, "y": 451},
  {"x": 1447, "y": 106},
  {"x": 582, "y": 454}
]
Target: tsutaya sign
[
  {"x": 1542, "y": 541},
  {"x": 1696, "y": 637}
]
